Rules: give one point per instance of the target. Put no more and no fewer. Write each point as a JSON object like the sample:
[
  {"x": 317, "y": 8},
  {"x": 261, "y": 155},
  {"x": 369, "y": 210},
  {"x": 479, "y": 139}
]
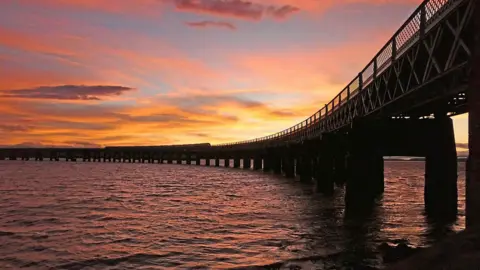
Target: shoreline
[{"x": 460, "y": 251}]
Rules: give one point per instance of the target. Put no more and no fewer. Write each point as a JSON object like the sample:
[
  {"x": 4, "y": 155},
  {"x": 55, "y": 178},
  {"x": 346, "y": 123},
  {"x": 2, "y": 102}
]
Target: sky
[{"x": 88, "y": 73}]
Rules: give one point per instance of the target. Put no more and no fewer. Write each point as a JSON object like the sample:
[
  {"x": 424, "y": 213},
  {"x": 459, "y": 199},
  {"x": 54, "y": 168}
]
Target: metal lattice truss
[{"x": 426, "y": 62}]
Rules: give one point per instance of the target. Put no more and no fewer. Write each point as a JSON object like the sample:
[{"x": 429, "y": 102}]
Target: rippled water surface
[{"x": 144, "y": 216}]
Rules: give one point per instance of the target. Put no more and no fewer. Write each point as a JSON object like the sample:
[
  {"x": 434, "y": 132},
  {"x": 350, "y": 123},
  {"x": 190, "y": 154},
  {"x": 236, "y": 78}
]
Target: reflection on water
[{"x": 76, "y": 215}]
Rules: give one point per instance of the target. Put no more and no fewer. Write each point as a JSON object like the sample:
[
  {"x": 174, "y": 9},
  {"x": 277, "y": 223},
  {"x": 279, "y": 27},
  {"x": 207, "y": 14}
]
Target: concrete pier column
[
  {"x": 267, "y": 163},
  {"x": 322, "y": 172},
  {"x": 365, "y": 179},
  {"x": 189, "y": 160},
  {"x": 277, "y": 164},
  {"x": 217, "y": 162},
  {"x": 288, "y": 165},
  {"x": 160, "y": 158},
  {"x": 226, "y": 162},
  {"x": 25, "y": 156},
  {"x": 207, "y": 161},
  {"x": 86, "y": 156},
  {"x": 170, "y": 160},
  {"x": 257, "y": 163},
  {"x": 236, "y": 162},
  {"x": 340, "y": 169},
  {"x": 440, "y": 192},
  {"x": 38, "y": 155},
  {"x": 71, "y": 156},
  {"x": 12, "y": 155},
  {"x": 306, "y": 168},
  {"x": 247, "y": 163},
  {"x": 473, "y": 93}
]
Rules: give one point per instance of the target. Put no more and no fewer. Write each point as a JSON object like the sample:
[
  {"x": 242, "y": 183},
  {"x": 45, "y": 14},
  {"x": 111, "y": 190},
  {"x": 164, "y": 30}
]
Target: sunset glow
[{"x": 146, "y": 72}]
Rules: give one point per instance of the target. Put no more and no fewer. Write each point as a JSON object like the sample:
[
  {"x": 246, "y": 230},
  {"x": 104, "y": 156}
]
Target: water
[{"x": 144, "y": 216}]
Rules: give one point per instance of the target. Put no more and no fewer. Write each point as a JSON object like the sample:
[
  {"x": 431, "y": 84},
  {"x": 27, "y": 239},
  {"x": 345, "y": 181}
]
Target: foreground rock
[
  {"x": 458, "y": 252},
  {"x": 396, "y": 251}
]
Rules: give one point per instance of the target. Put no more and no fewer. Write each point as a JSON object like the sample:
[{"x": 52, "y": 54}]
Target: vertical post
[
  {"x": 226, "y": 162},
  {"x": 375, "y": 68},
  {"x": 473, "y": 177},
  {"x": 360, "y": 82},
  {"x": 247, "y": 163},
  {"x": 394, "y": 49},
  {"x": 236, "y": 162},
  {"x": 257, "y": 163},
  {"x": 423, "y": 21},
  {"x": 441, "y": 171}
]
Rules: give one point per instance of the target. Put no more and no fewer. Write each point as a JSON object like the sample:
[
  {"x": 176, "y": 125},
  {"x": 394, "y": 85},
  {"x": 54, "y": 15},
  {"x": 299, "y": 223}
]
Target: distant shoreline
[{"x": 459, "y": 159}]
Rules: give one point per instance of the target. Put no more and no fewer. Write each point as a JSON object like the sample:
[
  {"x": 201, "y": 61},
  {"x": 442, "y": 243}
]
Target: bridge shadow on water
[{"x": 340, "y": 239}]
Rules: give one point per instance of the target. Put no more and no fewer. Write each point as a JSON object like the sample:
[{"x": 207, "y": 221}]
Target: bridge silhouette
[{"x": 400, "y": 104}]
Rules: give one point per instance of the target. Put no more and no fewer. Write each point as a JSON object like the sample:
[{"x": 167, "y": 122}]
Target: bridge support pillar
[
  {"x": 305, "y": 165},
  {"x": 217, "y": 162},
  {"x": 236, "y": 162},
  {"x": 473, "y": 170},
  {"x": 247, "y": 163},
  {"x": 207, "y": 162},
  {"x": 322, "y": 169},
  {"x": 257, "y": 163},
  {"x": 198, "y": 161},
  {"x": 340, "y": 171},
  {"x": 288, "y": 165},
  {"x": 365, "y": 179},
  {"x": 38, "y": 155},
  {"x": 227, "y": 162},
  {"x": 277, "y": 164},
  {"x": 440, "y": 194},
  {"x": 170, "y": 160},
  {"x": 267, "y": 163}
]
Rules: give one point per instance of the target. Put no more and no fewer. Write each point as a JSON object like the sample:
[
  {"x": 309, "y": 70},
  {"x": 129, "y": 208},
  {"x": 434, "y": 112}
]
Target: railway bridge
[{"x": 400, "y": 104}]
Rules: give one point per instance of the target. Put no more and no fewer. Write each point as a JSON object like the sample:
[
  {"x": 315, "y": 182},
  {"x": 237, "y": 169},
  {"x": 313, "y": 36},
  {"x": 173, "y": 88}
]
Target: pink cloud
[{"x": 235, "y": 8}]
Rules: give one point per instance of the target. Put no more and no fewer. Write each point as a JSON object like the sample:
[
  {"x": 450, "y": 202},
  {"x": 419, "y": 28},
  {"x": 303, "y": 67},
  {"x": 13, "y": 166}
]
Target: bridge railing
[{"x": 426, "y": 16}]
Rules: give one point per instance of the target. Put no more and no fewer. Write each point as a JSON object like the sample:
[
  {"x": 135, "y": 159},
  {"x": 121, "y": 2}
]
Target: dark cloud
[
  {"x": 282, "y": 12},
  {"x": 161, "y": 118},
  {"x": 67, "y": 144},
  {"x": 201, "y": 135},
  {"x": 235, "y": 8},
  {"x": 81, "y": 144},
  {"x": 67, "y": 92},
  {"x": 14, "y": 128},
  {"x": 84, "y": 126},
  {"x": 206, "y": 24}
]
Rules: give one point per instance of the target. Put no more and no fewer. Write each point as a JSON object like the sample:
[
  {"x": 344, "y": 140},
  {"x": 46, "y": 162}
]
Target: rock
[{"x": 397, "y": 251}]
